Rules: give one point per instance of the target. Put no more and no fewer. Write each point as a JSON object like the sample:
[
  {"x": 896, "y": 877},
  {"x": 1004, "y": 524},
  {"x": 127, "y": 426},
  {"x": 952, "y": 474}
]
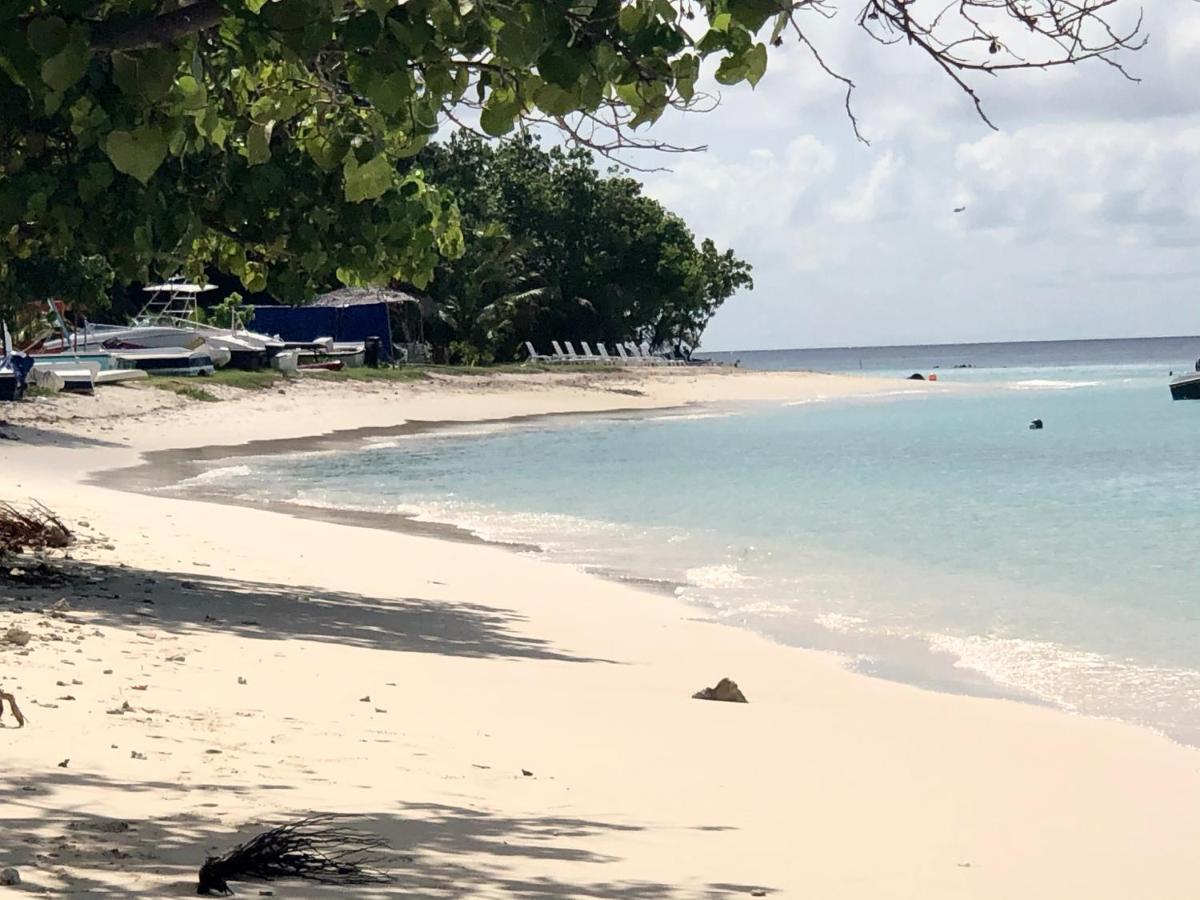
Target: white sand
[{"x": 480, "y": 663}]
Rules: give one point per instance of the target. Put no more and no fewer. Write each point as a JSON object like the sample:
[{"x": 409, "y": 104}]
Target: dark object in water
[
  {"x": 1186, "y": 387},
  {"x": 726, "y": 690},
  {"x": 312, "y": 849},
  {"x": 1036, "y": 425},
  {"x": 915, "y": 376}
]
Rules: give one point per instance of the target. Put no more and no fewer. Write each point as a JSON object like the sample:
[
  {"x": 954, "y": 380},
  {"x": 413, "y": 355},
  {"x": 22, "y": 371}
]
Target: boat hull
[
  {"x": 180, "y": 361},
  {"x": 1186, "y": 388}
]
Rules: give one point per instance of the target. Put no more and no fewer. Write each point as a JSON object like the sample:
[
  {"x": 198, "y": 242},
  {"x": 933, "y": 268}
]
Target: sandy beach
[{"x": 513, "y": 727}]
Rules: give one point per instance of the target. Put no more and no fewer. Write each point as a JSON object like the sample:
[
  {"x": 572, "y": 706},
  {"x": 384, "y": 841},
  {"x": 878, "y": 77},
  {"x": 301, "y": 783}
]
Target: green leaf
[
  {"x": 17, "y": 59},
  {"x": 519, "y": 42},
  {"x": 254, "y": 278},
  {"x": 500, "y": 112},
  {"x": 63, "y": 70},
  {"x": 752, "y": 14},
  {"x": 388, "y": 92},
  {"x": 714, "y": 39},
  {"x": 554, "y": 101},
  {"x": 686, "y": 70},
  {"x": 46, "y": 37},
  {"x": 138, "y": 153},
  {"x": 195, "y": 95},
  {"x": 67, "y": 66},
  {"x": 756, "y": 63},
  {"x": 746, "y": 66},
  {"x": 369, "y": 181},
  {"x": 326, "y": 154},
  {"x": 561, "y": 65},
  {"x": 631, "y": 18},
  {"x": 146, "y": 75},
  {"x": 258, "y": 143}
]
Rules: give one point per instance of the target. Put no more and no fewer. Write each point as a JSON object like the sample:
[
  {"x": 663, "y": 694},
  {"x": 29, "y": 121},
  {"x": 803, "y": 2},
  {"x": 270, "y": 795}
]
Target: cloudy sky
[{"x": 1082, "y": 212}]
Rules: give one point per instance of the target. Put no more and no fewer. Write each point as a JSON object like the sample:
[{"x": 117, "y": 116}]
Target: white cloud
[
  {"x": 873, "y": 196},
  {"x": 766, "y": 191},
  {"x": 1136, "y": 181}
]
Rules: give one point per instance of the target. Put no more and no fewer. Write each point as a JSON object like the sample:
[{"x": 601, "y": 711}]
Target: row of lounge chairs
[{"x": 627, "y": 354}]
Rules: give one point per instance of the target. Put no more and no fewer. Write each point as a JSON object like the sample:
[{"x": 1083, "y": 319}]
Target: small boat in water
[{"x": 1186, "y": 387}]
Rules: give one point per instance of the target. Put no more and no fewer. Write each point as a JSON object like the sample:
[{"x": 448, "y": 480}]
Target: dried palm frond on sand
[{"x": 313, "y": 848}]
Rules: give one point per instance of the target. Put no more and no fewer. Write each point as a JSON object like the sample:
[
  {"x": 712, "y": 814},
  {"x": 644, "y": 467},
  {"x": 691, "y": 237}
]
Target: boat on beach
[
  {"x": 172, "y": 304},
  {"x": 165, "y": 324},
  {"x": 170, "y": 361}
]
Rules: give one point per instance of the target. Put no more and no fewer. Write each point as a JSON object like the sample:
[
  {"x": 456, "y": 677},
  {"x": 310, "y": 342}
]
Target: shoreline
[
  {"x": 905, "y": 660},
  {"x": 829, "y": 783}
]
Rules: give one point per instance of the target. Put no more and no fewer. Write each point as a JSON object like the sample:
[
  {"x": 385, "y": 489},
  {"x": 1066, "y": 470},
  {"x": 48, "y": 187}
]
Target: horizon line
[{"x": 1149, "y": 337}]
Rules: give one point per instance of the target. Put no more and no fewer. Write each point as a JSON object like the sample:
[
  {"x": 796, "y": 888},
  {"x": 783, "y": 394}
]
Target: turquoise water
[{"x": 930, "y": 537}]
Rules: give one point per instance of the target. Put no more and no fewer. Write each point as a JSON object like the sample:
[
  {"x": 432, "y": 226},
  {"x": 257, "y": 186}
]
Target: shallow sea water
[{"x": 930, "y": 538}]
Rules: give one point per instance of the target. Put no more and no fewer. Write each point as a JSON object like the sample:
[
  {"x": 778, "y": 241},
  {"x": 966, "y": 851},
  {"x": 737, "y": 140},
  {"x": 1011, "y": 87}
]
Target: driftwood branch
[
  {"x": 157, "y": 31},
  {"x": 37, "y": 529},
  {"x": 16, "y": 710}
]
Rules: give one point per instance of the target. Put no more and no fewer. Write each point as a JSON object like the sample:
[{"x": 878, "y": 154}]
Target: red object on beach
[
  {"x": 334, "y": 365},
  {"x": 933, "y": 377}
]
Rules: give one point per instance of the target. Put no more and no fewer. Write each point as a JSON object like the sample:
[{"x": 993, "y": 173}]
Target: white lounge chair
[
  {"x": 534, "y": 356},
  {"x": 652, "y": 359},
  {"x": 590, "y": 355},
  {"x": 559, "y": 356},
  {"x": 604, "y": 354},
  {"x": 575, "y": 357}
]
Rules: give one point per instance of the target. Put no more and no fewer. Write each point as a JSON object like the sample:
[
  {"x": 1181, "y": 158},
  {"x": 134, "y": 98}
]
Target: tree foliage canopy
[
  {"x": 270, "y": 137},
  {"x": 554, "y": 250}
]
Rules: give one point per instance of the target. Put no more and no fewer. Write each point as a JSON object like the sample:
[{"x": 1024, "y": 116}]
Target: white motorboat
[{"x": 173, "y": 304}]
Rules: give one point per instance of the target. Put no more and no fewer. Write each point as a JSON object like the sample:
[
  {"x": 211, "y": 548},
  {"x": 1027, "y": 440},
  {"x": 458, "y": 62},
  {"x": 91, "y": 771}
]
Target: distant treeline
[{"x": 555, "y": 250}]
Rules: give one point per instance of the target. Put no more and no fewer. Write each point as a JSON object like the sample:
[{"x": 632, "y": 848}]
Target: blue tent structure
[{"x": 348, "y": 315}]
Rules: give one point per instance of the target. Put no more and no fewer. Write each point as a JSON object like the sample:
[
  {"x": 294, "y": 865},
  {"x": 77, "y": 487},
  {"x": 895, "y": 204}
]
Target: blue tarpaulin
[{"x": 352, "y": 324}]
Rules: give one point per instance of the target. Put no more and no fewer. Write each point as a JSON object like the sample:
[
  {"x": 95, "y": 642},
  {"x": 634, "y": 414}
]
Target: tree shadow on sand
[
  {"x": 117, "y": 596},
  {"x": 38, "y": 436},
  {"x": 437, "y": 851}
]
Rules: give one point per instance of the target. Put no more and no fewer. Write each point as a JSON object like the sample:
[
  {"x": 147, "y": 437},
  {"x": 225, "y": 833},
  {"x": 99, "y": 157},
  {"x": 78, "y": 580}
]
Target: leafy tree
[
  {"x": 270, "y": 137},
  {"x": 273, "y": 138},
  {"x": 555, "y": 250}
]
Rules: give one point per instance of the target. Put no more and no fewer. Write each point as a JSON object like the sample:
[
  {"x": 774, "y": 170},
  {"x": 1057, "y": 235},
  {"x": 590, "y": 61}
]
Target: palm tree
[{"x": 498, "y": 293}]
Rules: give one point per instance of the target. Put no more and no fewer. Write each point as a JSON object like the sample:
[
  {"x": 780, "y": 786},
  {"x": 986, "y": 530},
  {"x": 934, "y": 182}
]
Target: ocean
[{"x": 927, "y": 537}]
